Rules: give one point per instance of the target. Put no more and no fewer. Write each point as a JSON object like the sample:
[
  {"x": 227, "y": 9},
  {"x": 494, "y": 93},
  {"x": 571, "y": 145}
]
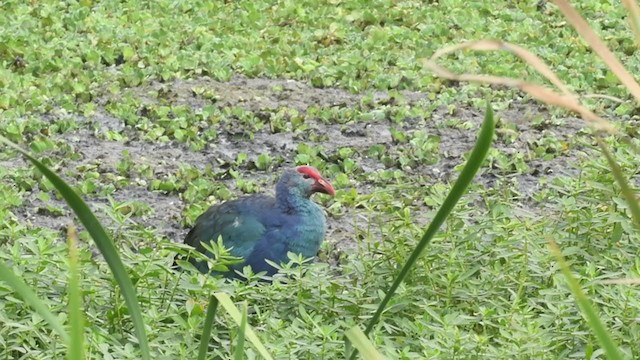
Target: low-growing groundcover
[{"x": 156, "y": 111}]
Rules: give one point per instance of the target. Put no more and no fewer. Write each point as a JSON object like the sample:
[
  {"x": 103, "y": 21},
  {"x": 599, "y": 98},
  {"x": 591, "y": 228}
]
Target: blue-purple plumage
[{"x": 259, "y": 227}]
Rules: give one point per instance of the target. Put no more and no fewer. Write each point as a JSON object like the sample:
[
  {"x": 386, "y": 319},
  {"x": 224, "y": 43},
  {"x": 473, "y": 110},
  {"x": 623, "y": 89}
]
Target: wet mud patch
[
  {"x": 516, "y": 135},
  {"x": 253, "y": 94},
  {"x": 455, "y": 132}
]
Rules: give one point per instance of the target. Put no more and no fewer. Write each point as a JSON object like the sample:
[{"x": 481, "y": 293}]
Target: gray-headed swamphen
[{"x": 259, "y": 227}]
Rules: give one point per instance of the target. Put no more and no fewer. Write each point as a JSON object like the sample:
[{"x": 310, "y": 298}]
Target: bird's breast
[{"x": 309, "y": 234}]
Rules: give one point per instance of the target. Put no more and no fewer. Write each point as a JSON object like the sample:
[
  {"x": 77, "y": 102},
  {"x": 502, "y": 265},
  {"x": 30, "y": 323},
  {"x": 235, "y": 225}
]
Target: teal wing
[{"x": 238, "y": 225}]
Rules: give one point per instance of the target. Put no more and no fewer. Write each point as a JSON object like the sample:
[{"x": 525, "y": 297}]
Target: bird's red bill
[{"x": 322, "y": 185}]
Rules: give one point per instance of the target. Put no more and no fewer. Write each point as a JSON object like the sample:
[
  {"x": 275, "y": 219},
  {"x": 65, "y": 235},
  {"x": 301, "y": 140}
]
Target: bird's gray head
[{"x": 304, "y": 181}]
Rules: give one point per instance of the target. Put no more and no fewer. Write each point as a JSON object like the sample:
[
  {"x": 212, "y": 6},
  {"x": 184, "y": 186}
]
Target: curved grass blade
[
  {"x": 362, "y": 343},
  {"x": 596, "y": 325},
  {"x": 102, "y": 240},
  {"x": 208, "y": 324},
  {"x": 32, "y": 299},
  {"x": 466, "y": 176},
  {"x": 627, "y": 192},
  {"x": 634, "y": 18},
  {"x": 228, "y": 305},
  {"x": 599, "y": 47},
  {"x": 239, "y": 351},
  {"x": 564, "y": 98},
  {"x": 76, "y": 318}
]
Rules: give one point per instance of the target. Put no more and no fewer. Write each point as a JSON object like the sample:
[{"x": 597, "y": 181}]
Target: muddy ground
[{"x": 258, "y": 95}]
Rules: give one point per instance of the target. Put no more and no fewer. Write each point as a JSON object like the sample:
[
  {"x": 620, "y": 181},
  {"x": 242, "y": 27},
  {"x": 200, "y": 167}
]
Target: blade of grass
[
  {"x": 634, "y": 281},
  {"x": 103, "y": 242},
  {"x": 627, "y": 192},
  {"x": 233, "y": 311},
  {"x": 496, "y": 45},
  {"x": 634, "y": 18},
  {"x": 566, "y": 99},
  {"x": 362, "y": 343},
  {"x": 476, "y": 158},
  {"x": 32, "y": 299},
  {"x": 208, "y": 324},
  {"x": 76, "y": 319},
  {"x": 239, "y": 351},
  {"x": 600, "y": 48},
  {"x": 348, "y": 346},
  {"x": 610, "y": 347}
]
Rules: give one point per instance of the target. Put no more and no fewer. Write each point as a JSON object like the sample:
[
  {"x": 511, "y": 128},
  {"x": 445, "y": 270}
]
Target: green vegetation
[{"x": 122, "y": 100}]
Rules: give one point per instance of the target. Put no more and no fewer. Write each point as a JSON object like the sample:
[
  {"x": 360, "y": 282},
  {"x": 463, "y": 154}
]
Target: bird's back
[{"x": 255, "y": 228}]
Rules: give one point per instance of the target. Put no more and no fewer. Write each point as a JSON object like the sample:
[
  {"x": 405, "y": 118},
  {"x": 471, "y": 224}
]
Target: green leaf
[
  {"x": 362, "y": 343},
  {"x": 30, "y": 297},
  {"x": 76, "y": 317},
  {"x": 103, "y": 242},
  {"x": 596, "y": 325},
  {"x": 208, "y": 324},
  {"x": 228, "y": 305},
  {"x": 627, "y": 192},
  {"x": 128, "y": 53},
  {"x": 239, "y": 351}
]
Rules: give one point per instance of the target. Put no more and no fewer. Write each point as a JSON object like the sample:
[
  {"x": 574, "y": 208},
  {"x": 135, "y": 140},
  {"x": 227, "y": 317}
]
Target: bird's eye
[{"x": 306, "y": 176}]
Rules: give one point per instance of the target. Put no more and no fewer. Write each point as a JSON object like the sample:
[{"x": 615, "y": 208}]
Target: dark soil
[{"x": 259, "y": 95}]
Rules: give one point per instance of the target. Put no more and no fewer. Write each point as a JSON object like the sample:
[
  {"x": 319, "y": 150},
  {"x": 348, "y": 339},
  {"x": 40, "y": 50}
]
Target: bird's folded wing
[{"x": 240, "y": 230}]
